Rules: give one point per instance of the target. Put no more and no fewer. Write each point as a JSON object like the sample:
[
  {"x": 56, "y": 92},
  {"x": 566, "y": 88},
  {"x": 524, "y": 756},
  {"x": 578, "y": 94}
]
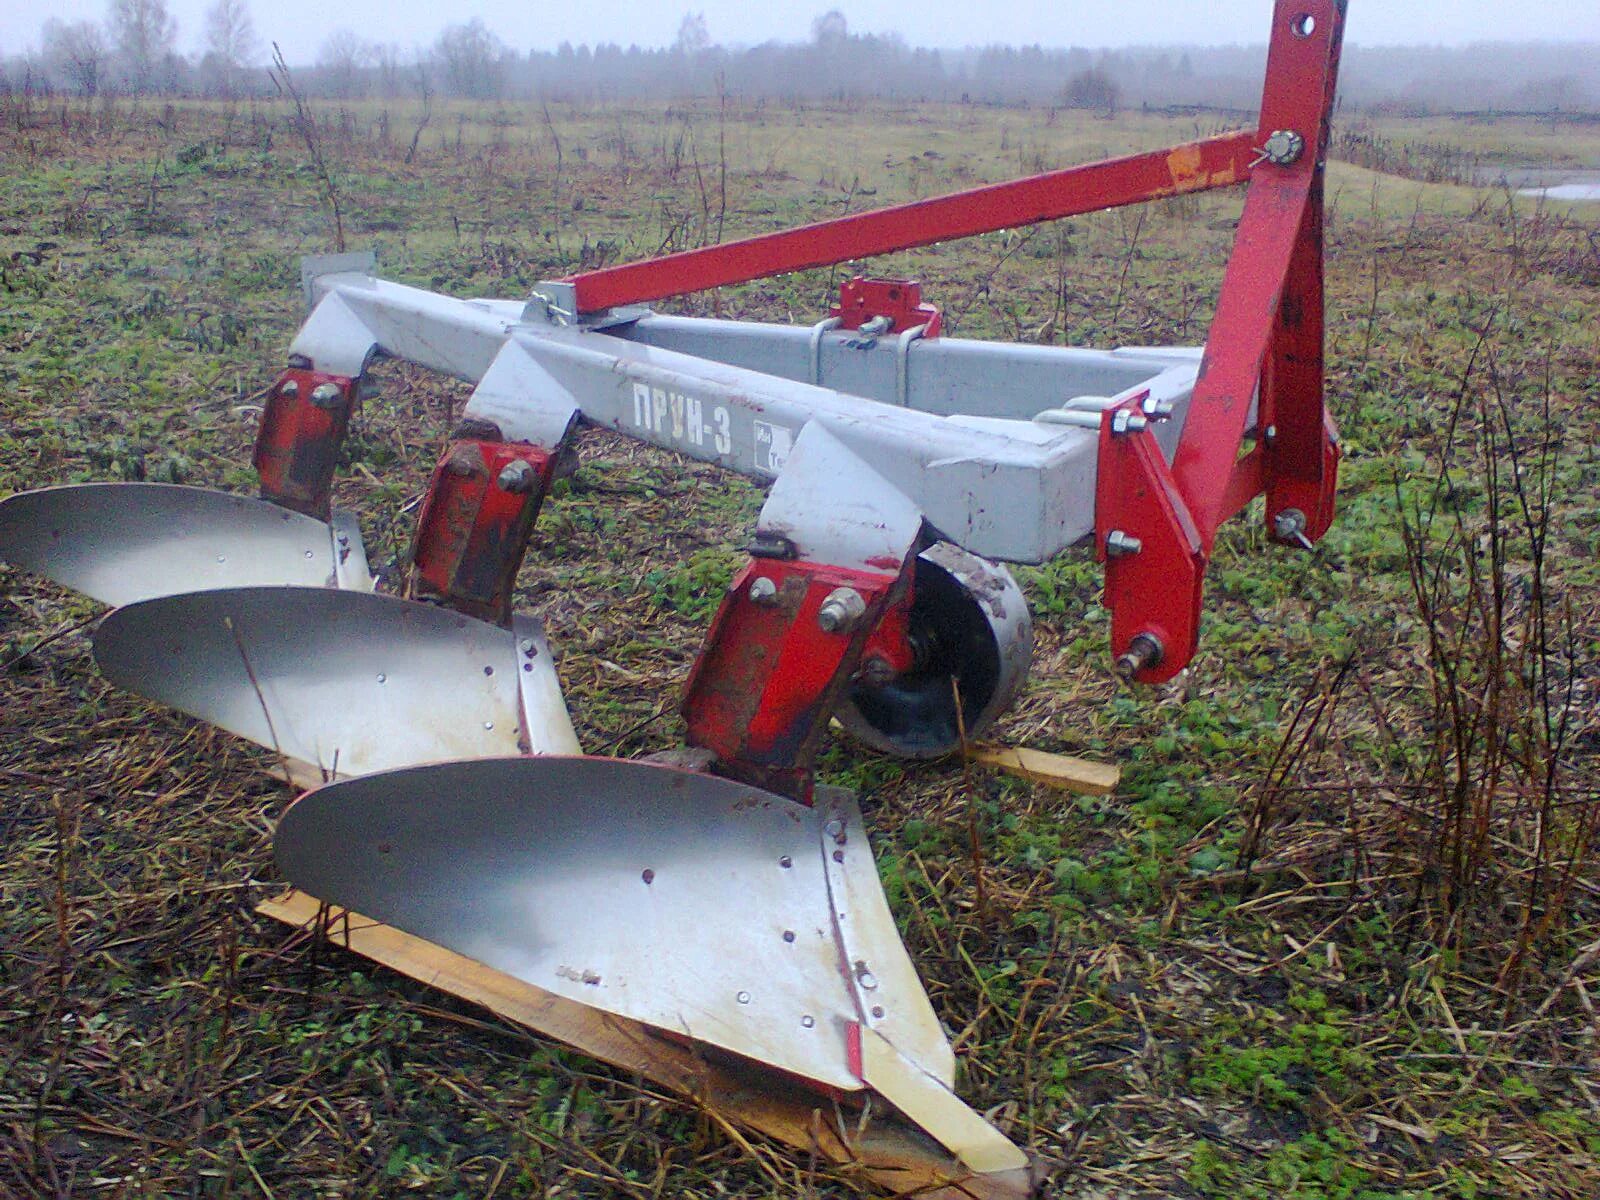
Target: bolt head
[
  {"x": 327, "y": 395},
  {"x": 1157, "y": 410},
  {"x": 288, "y": 389},
  {"x": 1129, "y": 422},
  {"x": 463, "y": 462},
  {"x": 763, "y": 591},
  {"x": 1284, "y": 147},
  {"x": 1144, "y": 651},
  {"x": 1120, "y": 544},
  {"x": 842, "y": 609},
  {"x": 517, "y": 477}
]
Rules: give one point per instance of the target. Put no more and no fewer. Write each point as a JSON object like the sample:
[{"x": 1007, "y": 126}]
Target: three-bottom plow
[{"x": 719, "y": 929}]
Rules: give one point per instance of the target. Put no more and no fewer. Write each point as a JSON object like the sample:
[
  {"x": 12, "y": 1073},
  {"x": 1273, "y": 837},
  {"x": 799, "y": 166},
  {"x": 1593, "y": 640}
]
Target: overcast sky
[{"x": 299, "y": 26}]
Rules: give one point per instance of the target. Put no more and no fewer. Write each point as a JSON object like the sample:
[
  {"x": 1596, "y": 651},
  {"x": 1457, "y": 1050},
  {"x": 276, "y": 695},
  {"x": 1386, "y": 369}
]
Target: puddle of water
[{"x": 1566, "y": 191}]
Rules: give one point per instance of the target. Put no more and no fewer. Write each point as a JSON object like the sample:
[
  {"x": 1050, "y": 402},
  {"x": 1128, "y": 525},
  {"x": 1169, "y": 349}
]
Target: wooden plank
[
  {"x": 887, "y": 1152},
  {"x": 1053, "y": 770}
]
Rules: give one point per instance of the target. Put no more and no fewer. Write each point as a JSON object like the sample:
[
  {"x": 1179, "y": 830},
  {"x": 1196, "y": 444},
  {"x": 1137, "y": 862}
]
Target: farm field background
[{"x": 1336, "y": 935}]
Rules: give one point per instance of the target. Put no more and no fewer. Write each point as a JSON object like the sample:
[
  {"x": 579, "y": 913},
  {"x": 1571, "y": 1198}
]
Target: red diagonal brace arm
[
  {"x": 1191, "y": 167},
  {"x": 1282, "y": 210},
  {"x": 1266, "y": 341}
]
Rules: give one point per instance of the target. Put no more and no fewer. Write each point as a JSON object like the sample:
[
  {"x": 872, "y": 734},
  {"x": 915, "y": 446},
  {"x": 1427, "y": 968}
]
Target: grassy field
[{"x": 1336, "y": 936}]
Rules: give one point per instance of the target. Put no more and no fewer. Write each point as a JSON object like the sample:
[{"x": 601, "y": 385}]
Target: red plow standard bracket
[
  {"x": 297, "y": 443},
  {"x": 473, "y": 530},
  {"x": 1263, "y": 356},
  {"x": 783, "y": 647}
]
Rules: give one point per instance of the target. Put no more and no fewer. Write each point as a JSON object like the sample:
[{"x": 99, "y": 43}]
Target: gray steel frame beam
[{"x": 1001, "y": 487}]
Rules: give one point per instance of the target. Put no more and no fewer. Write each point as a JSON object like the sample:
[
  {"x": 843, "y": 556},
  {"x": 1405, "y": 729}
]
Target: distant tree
[
  {"x": 343, "y": 55},
  {"x": 694, "y": 35},
  {"x": 145, "y": 34},
  {"x": 230, "y": 42},
  {"x": 830, "y": 28},
  {"x": 1093, "y": 88},
  {"x": 470, "y": 56},
  {"x": 78, "y": 50},
  {"x": 390, "y": 61}
]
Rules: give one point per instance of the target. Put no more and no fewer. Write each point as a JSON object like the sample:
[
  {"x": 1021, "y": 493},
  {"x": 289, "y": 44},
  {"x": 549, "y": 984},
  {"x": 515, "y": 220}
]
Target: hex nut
[
  {"x": 517, "y": 477},
  {"x": 1120, "y": 544},
  {"x": 842, "y": 609}
]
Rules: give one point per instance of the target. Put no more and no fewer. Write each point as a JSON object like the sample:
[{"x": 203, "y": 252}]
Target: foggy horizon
[{"x": 300, "y": 27}]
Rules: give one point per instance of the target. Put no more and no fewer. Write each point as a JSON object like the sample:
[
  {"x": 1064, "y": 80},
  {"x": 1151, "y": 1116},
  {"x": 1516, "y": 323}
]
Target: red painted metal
[
  {"x": 888, "y": 651},
  {"x": 900, "y": 300},
  {"x": 1264, "y": 352},
  {"x": 1279, "y": 212},
  {"x": 1136, "y": 496},
  {"x": 1301, "y": 452},
  {"x": 1191, "y": 167},
  {"x": 1266, "y": 340},
  {"x": 297, "y": 443},
  {"x": 474, "y": 527},
  {"x": 769, "y": 676}
]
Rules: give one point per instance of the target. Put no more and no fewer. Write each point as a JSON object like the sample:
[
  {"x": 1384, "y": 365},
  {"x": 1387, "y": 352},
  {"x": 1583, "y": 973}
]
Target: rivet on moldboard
[
  {"x": 788, "y": 935},
  {"x": 808, "y": 1020},
  {"x": 382, "y": 678},
  {"x": 744, "y": 997},
  {"x": 647, "y": 875},
  {"x": 488, "y": 724},
  {"x": 310, "y": 554},
  {"x": 786, "y": 862},
  {"x": 838, "y": 856},
  {"x": 877, "y": 1011}
]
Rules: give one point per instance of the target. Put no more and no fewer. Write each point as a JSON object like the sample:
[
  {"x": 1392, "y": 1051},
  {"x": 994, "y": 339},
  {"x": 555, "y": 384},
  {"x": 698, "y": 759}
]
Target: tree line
[{"x": 134, "y": 51}]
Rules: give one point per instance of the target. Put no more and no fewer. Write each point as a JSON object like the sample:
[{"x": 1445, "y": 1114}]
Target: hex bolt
[
  {"x": 517, "y": 477},
  {"x": 289, "y": 389},
  {"x": 1125, "y": 422},
  {"x": 1283, "y": 148},
  {"x": 842, "y": 609},
  {"x": 327, "y": 395},
  {"x": 1120, "y": 544},
  {"x": 1157, "y": 410},
  {"x": 463, "y": 462},
  {"x": 1144, "y": 652},
  {"x": 763, "y": 591}
]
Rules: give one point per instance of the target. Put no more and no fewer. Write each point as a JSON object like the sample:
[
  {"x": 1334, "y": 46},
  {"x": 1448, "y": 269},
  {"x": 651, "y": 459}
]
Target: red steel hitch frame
[{"x": 1263, "y": 353}]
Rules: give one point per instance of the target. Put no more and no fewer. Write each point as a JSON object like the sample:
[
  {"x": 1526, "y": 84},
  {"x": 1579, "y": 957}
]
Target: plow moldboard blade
[
  {"x": 348, "y": 682},
  {"x": 125, "y": 542},
  {"x": 687, "y": 902}
]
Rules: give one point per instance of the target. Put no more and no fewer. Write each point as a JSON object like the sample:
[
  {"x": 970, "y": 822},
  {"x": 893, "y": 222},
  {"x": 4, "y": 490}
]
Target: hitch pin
[{"x": 1290, "y": 526}]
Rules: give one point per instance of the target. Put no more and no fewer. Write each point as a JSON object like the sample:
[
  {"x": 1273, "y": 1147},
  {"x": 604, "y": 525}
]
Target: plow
[{"x": 711, "y": 918}]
